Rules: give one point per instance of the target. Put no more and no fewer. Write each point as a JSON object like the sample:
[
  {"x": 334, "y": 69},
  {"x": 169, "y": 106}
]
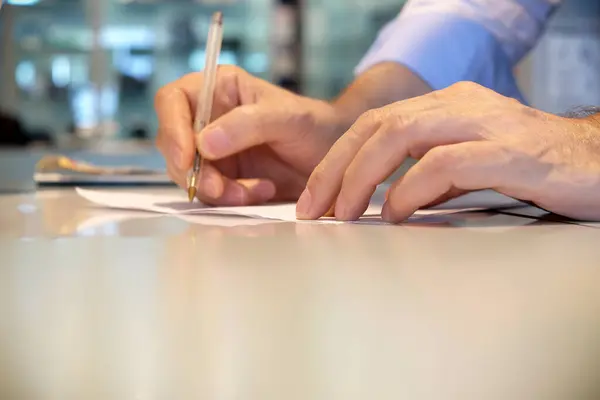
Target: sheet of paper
[{"x": 178, "y": 205}]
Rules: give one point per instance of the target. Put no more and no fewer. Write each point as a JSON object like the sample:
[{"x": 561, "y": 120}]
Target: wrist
[
  {"x": 343, "y": 118},
  {"x": 319, "y": 117},
  {"x": 380, "y": 85},
  {"x": 330, "y": 120}
]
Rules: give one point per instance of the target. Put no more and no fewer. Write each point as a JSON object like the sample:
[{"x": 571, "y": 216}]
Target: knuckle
[
  {"x": 318, "y": 176},
  {"x": 228, "y": 74},
  {"x": 441, "y": 158},
  {"x": 514, "y": 102},
  {"x": 352, "y": 139},
  {"x": 395, "y": 123},
  {"x": 357, "y": 177},
  {"x": 437, "y": 95},
  {"x": 353, "y": 132},
  {"x": 228, "y": 69},
  {"x": 466, "y": 85},
  {"x": 163, "y": 95},
  {"x": 248, "y": 117},
  {"x": 463, "y": 88},
  {"x": 364, "y": 124},
  {"x": 248, "y": 113},
  {"x": 248, "y": 124},
  {"x": 304, "y": 117},
  {"x": 228, "y": 78},
  {"x": 369, "y": 117}
]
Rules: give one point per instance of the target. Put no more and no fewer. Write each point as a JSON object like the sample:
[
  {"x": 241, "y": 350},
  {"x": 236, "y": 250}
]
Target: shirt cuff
[{"x": 444, "y": 49}]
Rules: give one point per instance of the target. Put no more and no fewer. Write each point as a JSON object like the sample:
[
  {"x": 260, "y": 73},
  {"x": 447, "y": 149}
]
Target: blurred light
[
  {"x": 257, "y": 63},
  {"x": 25, "y": 75},
  {"x": 111, "y": 37},
  {"x": 136, "y": 66},
  {"x": 84, "y": 108},
  {"x": 27, "y": 208},
  {"x": 85, "y": 102},
  {"x": 61, "y": 71},
  {"x": 31, "y": 43},
  {"x": 127, "y": 37},
  {"x": 140, "y": 67},
  {"x": 79, "y": 71},
  {"x": 197, "y": 59},
  {"x": 22, "y": 2}
]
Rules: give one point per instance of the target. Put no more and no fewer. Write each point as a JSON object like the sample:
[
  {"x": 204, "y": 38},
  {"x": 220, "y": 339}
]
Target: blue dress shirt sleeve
[{"x": 448, "y": 41}]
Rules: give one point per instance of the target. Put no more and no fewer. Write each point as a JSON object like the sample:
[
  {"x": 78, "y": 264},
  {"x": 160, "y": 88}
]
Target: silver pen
[{"x": 205, "y": 98}]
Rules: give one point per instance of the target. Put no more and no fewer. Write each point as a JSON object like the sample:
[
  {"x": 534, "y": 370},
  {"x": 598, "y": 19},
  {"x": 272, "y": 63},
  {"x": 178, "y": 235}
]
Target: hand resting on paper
[
  {"x": 262, "y": 145},
  {"x": 466, "y": 138}
]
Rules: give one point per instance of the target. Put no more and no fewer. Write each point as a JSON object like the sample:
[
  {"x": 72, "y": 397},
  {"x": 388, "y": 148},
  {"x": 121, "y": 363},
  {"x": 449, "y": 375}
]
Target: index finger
[
  {"x": 175, "y": 106},
  {"x": 369, "y": 153},
  {"x": 175, "y": 138},
  {"x": 398, "y": 139},
  {"x": 326, "y": 180}
]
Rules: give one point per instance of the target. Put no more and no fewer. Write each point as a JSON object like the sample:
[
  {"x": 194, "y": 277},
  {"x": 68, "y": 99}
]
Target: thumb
[{"x": 238, "y": 130}]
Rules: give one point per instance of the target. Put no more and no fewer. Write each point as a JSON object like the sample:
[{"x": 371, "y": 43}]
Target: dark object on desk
[
  {"x": 63, "y": 171},
  {"x": 13, "y": 134},
  {"x": 57, "y": 180}
]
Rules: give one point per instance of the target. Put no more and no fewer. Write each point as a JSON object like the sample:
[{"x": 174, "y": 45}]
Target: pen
[{"x": 205, "y": 98}]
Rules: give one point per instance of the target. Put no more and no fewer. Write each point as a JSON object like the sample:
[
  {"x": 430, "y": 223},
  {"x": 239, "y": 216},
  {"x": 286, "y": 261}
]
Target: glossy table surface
[{"x": 104, "y": 304}]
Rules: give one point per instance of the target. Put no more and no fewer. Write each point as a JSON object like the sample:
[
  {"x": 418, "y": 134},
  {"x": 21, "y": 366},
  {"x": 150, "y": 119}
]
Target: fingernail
[
  {"x": 176, "y": 156},
  {"x": 215, "y": 143},
  {"x": 303, "y": 206}
]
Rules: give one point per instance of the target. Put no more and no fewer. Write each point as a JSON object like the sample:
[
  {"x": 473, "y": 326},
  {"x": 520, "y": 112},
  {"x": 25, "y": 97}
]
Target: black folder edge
[{"x": 52, "y": 179}]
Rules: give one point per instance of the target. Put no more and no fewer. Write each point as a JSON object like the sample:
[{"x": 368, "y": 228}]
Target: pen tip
[{"x": 191, "y": 193}]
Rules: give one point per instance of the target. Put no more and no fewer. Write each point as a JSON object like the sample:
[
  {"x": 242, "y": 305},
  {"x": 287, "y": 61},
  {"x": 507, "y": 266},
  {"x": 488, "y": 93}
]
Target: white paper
[{"x": 180, "y": 206}]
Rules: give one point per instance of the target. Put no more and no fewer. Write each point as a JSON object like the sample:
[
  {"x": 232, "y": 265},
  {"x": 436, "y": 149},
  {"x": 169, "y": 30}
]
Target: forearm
[{"x": 382, "y": 84}]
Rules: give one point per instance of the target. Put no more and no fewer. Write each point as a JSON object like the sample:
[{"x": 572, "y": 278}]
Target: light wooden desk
[{"x": 481, "y": 306}]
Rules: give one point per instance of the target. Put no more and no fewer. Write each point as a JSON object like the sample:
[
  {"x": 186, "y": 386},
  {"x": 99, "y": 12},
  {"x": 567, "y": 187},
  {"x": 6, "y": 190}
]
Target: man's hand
[
  {"x": 262, "y": 145},
  {"x": 466, "y": 138}
]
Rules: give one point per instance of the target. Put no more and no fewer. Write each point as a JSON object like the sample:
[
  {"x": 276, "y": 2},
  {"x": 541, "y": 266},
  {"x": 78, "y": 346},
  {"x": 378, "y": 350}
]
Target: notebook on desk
[{"x": 63, "y": 171}]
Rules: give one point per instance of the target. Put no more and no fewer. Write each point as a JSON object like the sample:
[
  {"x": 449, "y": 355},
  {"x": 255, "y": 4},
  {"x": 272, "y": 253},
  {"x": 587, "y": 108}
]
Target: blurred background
[
  {"x": 79, "y": 72},
  {"x": 69, "y": 67}
]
